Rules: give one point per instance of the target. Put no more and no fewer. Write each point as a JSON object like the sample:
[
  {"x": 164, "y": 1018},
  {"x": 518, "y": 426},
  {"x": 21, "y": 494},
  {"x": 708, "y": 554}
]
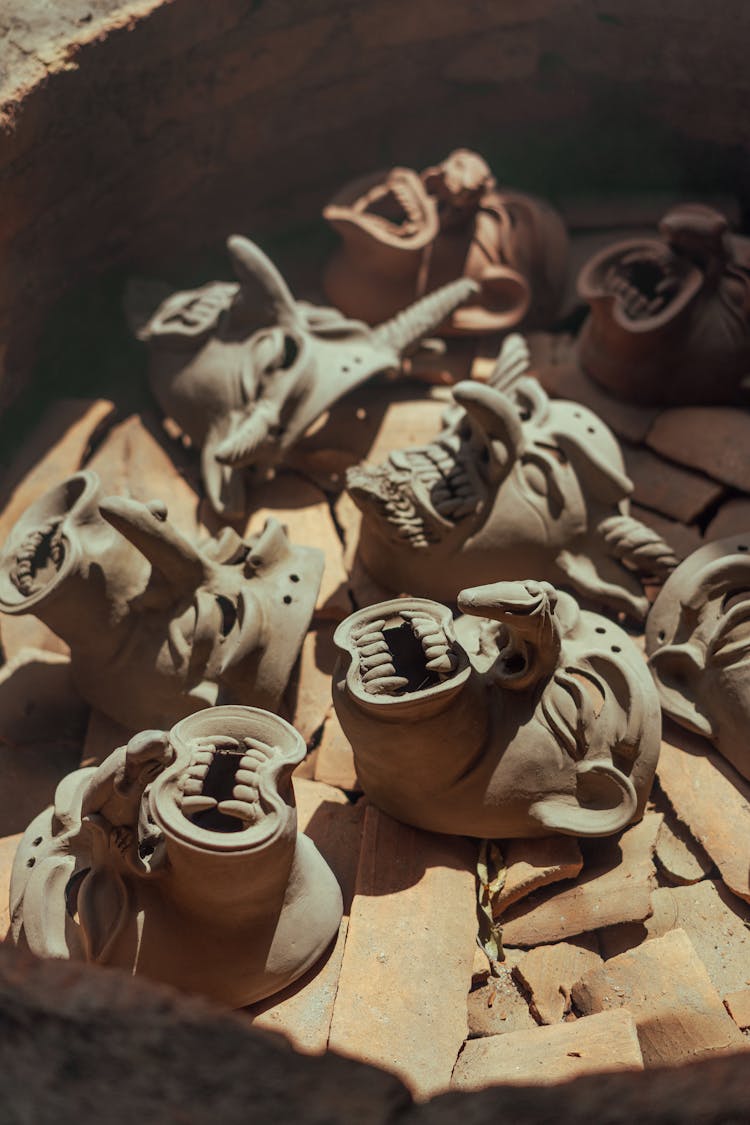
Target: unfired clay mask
[
  {"x": 403, "y": 235},
  {"x": 245, "y": 369},
  {"x": 515, "y": 484},
  {"x": 157, "y": 626},
  {"x": 179, "y": 858},
  {"x": 670, "y": 316},
  {"x": 537, "y": 718},
  {"x": 698, "y": 642}
]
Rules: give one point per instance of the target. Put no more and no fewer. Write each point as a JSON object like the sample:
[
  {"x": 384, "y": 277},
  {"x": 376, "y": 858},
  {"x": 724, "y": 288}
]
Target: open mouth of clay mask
[
  {"x": 422, "y": 493},
  {"x": 405, "y": 652},
  {"x": 220, "y": 786},
  {"x": 39, "y": 559},
  {"x": 650, "y": 284},
  {"x": 398, "y": 206}
]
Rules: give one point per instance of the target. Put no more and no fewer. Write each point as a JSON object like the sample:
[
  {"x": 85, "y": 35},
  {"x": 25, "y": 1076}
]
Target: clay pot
[
  {"x": 670, "y": 316},
  {"x": 698, "y": 644},
  {"x": 515, "y": 484},
  {"x": 159, "y": 627},
  {"x": 403, "y": 235},
  {"x": 528, "y": 718},
  {"x": 179, "y": 858},
  {"x": 246, "y": 369}
]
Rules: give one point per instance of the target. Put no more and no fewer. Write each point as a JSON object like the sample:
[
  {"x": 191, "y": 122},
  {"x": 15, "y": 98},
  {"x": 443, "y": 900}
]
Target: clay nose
[
  {"x": 501, "y": 601},
  {"x": 146, "y": 526}
]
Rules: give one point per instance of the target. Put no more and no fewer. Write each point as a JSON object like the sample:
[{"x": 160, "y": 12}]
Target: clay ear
[
  {"x": 606, "y": 803},
  {"x": 102, "y": 910},
  {"x": 676, "y": 669}
]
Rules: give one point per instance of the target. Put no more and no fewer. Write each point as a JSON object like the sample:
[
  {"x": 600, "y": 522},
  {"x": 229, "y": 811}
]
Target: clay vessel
[
  {"x": 698, "y": 645},
  {"x": 246, "y": 369},
  {"x": 670, "y": 316},
  {"x": 528, "y": 718},
  {"x": 179, "y": 858},
  {"x": 404, "y": 235},
  {"x": 515, "y": 484},
  {"x": 159, "y": 627}
]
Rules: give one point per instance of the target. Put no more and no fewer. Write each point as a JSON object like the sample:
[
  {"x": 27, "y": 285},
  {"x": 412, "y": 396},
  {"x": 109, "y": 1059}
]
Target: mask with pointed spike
[
  {"x": 527, "y": 717},
  {"x": 157, "y": 626},
  {"x": 515, "y": 484},
  {"x": 245, "y": 370}
]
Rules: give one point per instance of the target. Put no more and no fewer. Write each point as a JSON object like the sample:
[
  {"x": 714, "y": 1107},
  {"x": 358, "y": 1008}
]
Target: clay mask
[
  {"x": 515, "y": 484},
  {"x": 404, "y": 234},
  {"x": 698, "y": 643},
  {"x": 669, "y": 315},
  {"x": 159, "y": 627},
  {"x": 245, "y": 370},
  {"x": 528, "y": 719},
  {"x": 179, "y": 858}
]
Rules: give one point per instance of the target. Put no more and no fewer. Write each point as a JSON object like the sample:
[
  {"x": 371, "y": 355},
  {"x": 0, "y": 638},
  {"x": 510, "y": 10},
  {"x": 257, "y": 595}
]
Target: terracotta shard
[
  {"x": 604, "y": 1042},
  {"x": 409, "y": 954},
  {"x": 675, "y": 492},
  {"x": 679, "y": 856},
  {"x": 158, "y": 625},
  {"x": 664, "y": 985},
  {"x": 498, "y": 1007},
  {"x": 532, "y": 864},
  {"x": 713, "y": 440},
  {"x": 732, "y": 518},
  {"x": 514, "y": 485},
  {"x": 615, "y": 887},
  {"x": 179, "y": 858},
  {"x": 8, "y": 848},
  {"x": 548, "y": 973},
  {"x": 710, "y": 797},
  {"x": 683, "y": 540},
  {"x": 335, "y": 761},
  {"x": 738, "y": 1006},
  {"x": 245, "y": 370}
]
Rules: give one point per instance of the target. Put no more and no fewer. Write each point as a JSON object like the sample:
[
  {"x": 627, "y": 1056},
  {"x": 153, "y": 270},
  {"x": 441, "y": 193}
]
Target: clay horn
[
  {"x": 492, "y": 411},
  {"x": 147, "y": 528},
  {"x": 424, "y": 316},
  {"x": 261, "y": 285}
]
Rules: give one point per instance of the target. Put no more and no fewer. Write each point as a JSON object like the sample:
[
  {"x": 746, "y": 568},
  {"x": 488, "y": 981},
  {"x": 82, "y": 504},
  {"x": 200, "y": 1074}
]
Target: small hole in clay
[
  {"x": 35, "y": 843},
  {"x": 616, "y": 648},
  {"x": 345, "y": 370},
  {"x": 294, "y": 577},
  {"x": 590, "y": 430},
  {"x": 741, "y": 546},
  {"x": 600, "y": 629},
  {"x": 30, "y": 862},
  {"x": 287, "y": 599},
  {"x": 228, "y": 614},
  {"x": 661, "y": 636}
]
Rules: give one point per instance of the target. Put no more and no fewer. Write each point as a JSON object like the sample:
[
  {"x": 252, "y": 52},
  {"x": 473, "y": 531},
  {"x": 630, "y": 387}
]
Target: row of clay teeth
[
  {"x": 438, "y": 654},
  {"x": 244, "y": 803},
  {"x": 636, "y": 303},
  {"x": 376, "y": 668},
  {"x": 24, "y": 569}
]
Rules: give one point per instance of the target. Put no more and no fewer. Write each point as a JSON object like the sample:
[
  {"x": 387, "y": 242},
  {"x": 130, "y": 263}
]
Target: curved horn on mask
[
  {"x": 262, "y": 288},
  {"x": 493, "y": 412},
  {"x": 512, "y": 363},
  {"x": 637, "y": 545},
  {"x": 147, "y": 528},
  {"x": 423, "y": 317}
]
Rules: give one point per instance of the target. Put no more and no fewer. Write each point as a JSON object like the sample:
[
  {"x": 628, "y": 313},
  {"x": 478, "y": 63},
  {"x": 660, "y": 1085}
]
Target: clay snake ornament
[
  {"x": 159, "y": 626},
  {"x": 403, "y": 234},
  {"x": 525, "y": 717},
  {"x": 245, "y": 369},
  {"x": 179, "y": 858},
  {"x": 515, "y": 484},
  {"x": 670, "y": 316},
  {"x": 698, "y": 646}
]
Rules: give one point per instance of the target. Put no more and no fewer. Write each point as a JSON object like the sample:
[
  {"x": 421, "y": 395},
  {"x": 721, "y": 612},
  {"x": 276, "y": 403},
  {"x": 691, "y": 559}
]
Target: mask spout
[{"x": 147, "y": 528}]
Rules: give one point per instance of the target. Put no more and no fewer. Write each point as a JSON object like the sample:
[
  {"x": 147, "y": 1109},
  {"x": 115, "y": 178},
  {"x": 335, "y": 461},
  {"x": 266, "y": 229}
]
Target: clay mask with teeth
[
  {"x": 698, "y": 644},
  {"x": 245, "y": 370},
  {"x": 526, "y": 717},
  {"x": 179, "y": 858},
  {"x": 670, "y": 317},
  {"x": 403, "y": 235},
  {"x": 515, "y": 484},
  {"x": 157, "y": 626}
]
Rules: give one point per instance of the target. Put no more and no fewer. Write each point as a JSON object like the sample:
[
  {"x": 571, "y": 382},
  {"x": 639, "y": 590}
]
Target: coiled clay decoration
[
  {"x": 178, "y": 858},
  {"x": 670, "y": 316},
  {"x": 515, "y": 484},
  {"x": 698, "y": 644},
  {"x": 157, "y": 626},
  {"x": 245, "y": 369},
  {"x": 536, "y": 718},
  {"x": 404, "y": 234}
]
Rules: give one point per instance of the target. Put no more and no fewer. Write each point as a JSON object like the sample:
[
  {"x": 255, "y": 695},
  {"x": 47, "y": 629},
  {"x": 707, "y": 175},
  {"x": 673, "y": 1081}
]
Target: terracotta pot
[{"x": 179, "y": 858}]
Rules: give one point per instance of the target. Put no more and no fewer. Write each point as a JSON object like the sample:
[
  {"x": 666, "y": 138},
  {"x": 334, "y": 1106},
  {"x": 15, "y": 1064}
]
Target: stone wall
[{"x": 135, "y": 132}]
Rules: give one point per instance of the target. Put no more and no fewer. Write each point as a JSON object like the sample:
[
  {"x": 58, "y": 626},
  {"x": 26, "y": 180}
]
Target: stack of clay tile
[{"x": 621, "y": 953}]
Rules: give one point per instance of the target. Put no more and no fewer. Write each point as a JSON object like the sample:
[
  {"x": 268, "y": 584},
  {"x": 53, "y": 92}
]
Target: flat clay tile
[
  {"x": 406, "y": 973},
  {"x": 548, "y": 973},
  {"x": 615, "y": 886},
  {"x": 738, "y": 1006},
  {"x": 605, "y": 1042},
  {"x": 711, "y": 798},
  {"x": 679, "y": 856},
  {"x": 531, "y": 864},
  {"x": 713, "y": 439},
  {"x": 498, "y": 1007},
  {"x": 308, "y": 694},
  {"x": 669, "y": 489},
  {"x": 732, "y": 518}
]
